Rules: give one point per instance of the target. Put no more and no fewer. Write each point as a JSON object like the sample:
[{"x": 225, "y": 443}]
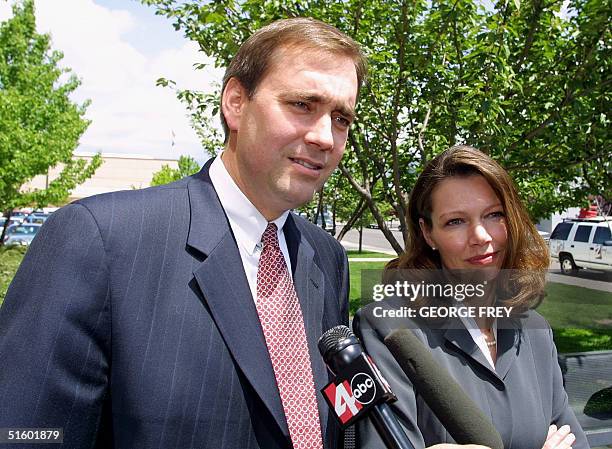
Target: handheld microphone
[
  {"x": 462, "y": 418},
  {"x": 358, "y": 388}
]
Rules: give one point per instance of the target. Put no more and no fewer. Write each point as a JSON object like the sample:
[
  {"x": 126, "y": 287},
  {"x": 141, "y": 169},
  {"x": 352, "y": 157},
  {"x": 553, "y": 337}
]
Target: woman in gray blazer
[{"x": 467, "y": 226}]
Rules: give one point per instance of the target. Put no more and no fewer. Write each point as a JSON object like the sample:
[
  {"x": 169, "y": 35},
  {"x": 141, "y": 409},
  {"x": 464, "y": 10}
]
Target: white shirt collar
[{"x": 248, "y": 224}]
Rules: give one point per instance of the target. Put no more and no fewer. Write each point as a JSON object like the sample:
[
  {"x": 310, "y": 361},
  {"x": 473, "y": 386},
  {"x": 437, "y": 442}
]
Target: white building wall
[{"x": 117, "y": 172}]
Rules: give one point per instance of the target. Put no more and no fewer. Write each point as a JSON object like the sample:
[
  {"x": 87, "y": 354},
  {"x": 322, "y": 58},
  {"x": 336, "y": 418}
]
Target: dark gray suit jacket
[
  {"x": 522, "y": 397},
  {"x": 130, "y": 324}
]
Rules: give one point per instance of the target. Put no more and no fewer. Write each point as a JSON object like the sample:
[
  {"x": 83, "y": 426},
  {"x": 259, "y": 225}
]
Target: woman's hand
[{"x": 559, "y": 438}]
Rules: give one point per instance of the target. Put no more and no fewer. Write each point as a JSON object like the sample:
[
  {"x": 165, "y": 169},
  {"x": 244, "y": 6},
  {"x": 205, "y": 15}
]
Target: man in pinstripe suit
[{"x": 132, "y": 321}]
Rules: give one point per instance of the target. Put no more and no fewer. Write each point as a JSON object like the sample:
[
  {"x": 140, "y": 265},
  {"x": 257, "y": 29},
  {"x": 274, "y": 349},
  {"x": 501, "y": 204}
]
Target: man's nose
[
  {"x": 320, "y": 133},
  {"x": 479, "y": 235}
]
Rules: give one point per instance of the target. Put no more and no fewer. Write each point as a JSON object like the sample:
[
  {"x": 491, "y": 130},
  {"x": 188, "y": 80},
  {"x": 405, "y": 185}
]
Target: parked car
[
  {"x": 18, "y": 216},
  {"x": 22, "y": 234},
  {"x": 36, "y": 218},
  {"x": 545, "y": 235},
  {"x": 583, "y": 243},
  {"x": 16, "y": 219},
  {"x": 9, "y": 229},
  {"x": 329, "y": 225}
]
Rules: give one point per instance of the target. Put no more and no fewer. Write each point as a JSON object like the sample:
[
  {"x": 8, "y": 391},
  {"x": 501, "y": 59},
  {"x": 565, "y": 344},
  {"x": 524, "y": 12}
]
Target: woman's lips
[{"x": 484, "y": 259}]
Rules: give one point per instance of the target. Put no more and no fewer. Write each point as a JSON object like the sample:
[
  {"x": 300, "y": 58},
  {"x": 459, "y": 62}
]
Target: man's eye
[
  {"x": 345, "y": 123},
  {"x": 301, "y": 105}
]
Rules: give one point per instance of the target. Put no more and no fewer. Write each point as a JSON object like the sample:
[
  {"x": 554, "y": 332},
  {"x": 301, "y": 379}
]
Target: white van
[{"x": 583, "y": 243}]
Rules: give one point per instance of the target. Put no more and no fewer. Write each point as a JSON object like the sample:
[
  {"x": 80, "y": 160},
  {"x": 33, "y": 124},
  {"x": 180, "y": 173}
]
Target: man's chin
[
  {"x": 297, "y": 203},
  {"x": 298, "y": 197}
]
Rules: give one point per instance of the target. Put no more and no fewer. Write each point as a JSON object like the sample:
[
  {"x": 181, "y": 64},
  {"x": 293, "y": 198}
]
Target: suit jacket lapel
[
  {"x": 507, "y": 348},
  {"x": 310, "y": 288},
  {"x": 225, "y": 288},
  {"x": 461, "y": 338}
]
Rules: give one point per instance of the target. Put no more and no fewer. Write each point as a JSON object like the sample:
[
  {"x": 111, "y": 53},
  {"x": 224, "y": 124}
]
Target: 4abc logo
[{"x": 348, "y": 399}]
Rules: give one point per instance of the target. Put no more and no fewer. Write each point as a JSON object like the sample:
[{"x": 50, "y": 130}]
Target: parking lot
[{"x": 23, "y": 225}]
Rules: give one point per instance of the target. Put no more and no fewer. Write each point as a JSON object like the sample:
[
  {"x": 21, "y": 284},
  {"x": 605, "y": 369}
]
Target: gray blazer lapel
[
  {"x": 222, "y": 280},
  {"x": 461, "y": 338},
  {"x": 310, "y": 287},
  {"x": 507, "y": 348}
]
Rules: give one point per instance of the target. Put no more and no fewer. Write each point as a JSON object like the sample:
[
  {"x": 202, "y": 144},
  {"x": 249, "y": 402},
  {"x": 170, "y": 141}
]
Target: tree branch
[
  {"x": 356, "y": 215},
  {"x": 367, "y": 196},
  {"x": 556, "y": 114},
  {"x": 538, "y": 8}
]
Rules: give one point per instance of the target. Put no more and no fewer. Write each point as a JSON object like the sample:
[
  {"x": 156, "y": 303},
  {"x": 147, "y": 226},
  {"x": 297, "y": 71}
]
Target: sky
[{"x": 118, "y": 49}]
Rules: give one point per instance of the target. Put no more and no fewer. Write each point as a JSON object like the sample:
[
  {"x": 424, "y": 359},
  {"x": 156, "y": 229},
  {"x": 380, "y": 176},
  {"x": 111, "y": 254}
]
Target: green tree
[
  {"x": 525, "y": 82},
  {"x": 39, "y": 125},
  {"x": 186, "y": 166}
]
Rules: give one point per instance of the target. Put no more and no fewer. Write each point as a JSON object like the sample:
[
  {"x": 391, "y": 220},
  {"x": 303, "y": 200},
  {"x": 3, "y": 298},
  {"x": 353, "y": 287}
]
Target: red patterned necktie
[{"x": 283, "y": 327}]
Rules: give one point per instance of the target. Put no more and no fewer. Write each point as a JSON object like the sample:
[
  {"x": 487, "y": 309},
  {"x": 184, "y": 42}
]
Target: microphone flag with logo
[{"x": 357, "y": 385}]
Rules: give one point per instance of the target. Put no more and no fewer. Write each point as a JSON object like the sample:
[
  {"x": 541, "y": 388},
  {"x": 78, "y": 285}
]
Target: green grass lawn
[
  {"x": 569, "y": 306},
  {"x": 355, "y": 276},
  {"x": 10, "y": 258},
  {"x": 581, "y": 318},
  {"x": 353, "y": 253}
]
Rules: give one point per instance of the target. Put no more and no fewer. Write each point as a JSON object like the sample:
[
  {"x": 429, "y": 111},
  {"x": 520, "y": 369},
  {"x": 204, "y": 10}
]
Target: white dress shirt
[{"x": 247, "y": 223}]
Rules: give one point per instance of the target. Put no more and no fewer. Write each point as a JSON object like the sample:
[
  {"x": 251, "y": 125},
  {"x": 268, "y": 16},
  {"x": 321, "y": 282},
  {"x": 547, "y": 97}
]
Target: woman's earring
[{"x": 433, "y": 248}]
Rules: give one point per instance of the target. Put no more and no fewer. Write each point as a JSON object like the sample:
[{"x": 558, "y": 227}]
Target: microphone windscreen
[
  {"x": 456, "y": 411},
  {"x": 329, "y": 340}
]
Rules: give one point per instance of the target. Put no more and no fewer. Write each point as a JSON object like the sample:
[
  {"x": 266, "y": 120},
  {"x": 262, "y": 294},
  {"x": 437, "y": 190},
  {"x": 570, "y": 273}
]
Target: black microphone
[
  {"x": 462, "y": 418},
  {"x": 359, "y": 389}
]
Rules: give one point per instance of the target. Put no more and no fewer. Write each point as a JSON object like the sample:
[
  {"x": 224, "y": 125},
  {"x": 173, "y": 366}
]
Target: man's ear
[
  {"x": 232, "y": 103},
  {"x": 426, "y": 232}
]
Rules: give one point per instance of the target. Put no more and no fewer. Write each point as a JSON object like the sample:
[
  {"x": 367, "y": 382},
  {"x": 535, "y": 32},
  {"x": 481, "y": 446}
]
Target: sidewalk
[
  {"x": 579, "y": 282},
  {"x": 351, "y": 245}
]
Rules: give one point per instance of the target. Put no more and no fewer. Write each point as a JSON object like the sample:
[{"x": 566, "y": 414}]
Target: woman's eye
[
  {"x": 497, "y": 214},
  {"x": 454, "y": 222}
]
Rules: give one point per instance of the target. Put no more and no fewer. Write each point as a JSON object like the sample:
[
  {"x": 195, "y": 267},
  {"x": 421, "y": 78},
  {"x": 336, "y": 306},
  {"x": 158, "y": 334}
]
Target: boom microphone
[
  {"x": 358, "y": 388},
  {"x": 456, "y": 411}
]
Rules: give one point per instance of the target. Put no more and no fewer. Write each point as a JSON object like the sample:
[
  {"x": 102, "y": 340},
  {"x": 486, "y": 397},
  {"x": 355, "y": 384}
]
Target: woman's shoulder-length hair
[{"x": 526, "y": 258}]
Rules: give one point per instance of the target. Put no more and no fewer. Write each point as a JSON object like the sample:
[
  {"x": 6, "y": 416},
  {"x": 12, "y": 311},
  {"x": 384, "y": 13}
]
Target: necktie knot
[{"x": 269, "y": 237}]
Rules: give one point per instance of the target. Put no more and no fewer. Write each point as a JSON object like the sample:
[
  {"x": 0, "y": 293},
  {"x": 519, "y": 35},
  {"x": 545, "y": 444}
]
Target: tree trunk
[
  {"x": 355, "y": 216},
  {"x": 319, "y": 210},
  {"x": 360, "y": 237},
  {"x": 7, "y": 214}
]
